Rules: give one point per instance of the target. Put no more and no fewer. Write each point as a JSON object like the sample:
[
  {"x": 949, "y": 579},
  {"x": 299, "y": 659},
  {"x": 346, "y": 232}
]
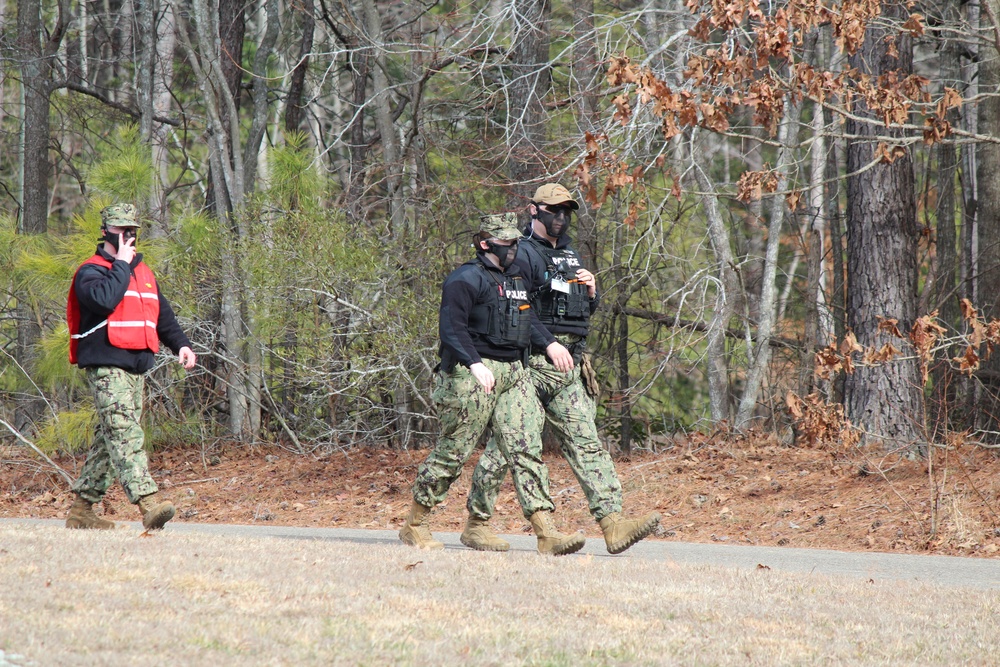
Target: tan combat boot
[
  {"x": 620, "y": 534},
  {"x": 81, "y": 515},
  {"x": 550, "y": 540},
  {"x": 155, "y": 511},
  {"x": 477, "y": 535},
  {"x": 415, "y": 532}
]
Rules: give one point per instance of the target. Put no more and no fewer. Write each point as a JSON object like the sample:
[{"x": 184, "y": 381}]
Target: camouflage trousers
[
  {"x": 465, "y": 411},
  {"x": 571, "y": 412},
  {"x": 118, "y": 439}
]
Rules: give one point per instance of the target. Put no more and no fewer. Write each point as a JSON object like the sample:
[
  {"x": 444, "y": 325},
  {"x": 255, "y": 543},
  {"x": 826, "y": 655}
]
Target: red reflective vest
[{"x": 132, "y": 324}]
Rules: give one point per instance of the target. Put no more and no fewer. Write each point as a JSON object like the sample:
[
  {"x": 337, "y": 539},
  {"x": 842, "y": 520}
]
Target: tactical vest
[
  {"x": 560, "y": 299},
  {"x": 132, "y": 324},
  {"x": 504, "y": 321}
]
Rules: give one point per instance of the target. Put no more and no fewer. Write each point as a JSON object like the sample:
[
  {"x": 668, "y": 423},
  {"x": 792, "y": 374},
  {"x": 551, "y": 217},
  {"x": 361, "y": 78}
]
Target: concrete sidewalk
[{"x": 981, "y": 573}]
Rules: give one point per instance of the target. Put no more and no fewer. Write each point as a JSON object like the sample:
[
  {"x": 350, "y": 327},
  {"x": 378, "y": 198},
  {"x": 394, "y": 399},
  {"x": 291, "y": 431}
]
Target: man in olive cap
[
  {"x": 564, "y": 298},
  {"x": 117, "y": 318},
  {"x": 486, "y": 326}
]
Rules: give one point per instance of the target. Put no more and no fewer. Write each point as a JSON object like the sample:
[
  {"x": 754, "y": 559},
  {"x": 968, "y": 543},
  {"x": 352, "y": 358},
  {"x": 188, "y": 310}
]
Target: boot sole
[
  {"x": 644, "y": 531},
  {"x": 157, "y": 519},
  {"x": 483, "y": 547},
  {"x": 570, "y": 547}
]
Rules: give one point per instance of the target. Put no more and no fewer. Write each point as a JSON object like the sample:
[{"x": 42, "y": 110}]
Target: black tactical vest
[
  {"x": 505, "y": 322},
  {"x": 560, "y": 299}
]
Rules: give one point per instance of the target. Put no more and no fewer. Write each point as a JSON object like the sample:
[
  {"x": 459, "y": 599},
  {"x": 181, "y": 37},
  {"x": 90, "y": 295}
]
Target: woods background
[{"x": 792, "y": 208}]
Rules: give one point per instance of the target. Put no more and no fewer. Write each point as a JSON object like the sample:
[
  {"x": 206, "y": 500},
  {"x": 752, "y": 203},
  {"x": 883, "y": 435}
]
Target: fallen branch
[{"x": 34, "y": 448}]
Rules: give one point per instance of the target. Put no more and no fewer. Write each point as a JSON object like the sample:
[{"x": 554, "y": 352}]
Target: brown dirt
[{"x": 740, "y": 492}]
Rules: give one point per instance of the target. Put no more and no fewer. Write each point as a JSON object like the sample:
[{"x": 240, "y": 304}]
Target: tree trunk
[
  {"x": 988, "y": 213},
  {"x": 526, "y": 91},
  {"x": 162, "y": 99},
  {"x": 34, "y": 53},
  {"x": 361, "y": 59},
  {"x": 230, "y": 167},
  {"x": 728, "y": 297},
  {"x": 818, "y": 322},
  {"x": 884, "y": 400},
  {"x": 587, "y": 72},
  {"x": 761, "y": 353},
  {"x": 36, "y": 86},
  {"x": 382, "y": 103},
  {"x": 145, "y": 46},
  {"x": 295, "y": 111},
  {"x": 621, "y": 354},
  {"x": 838, "y": 304},
  {"x": 945, "y": 296}
]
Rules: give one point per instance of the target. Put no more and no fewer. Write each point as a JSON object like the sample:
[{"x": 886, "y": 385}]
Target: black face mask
[
  {"x": 556, "y": 221},
  {"x": 129, "y": 233},
  {"x": 505, "y": 253}
]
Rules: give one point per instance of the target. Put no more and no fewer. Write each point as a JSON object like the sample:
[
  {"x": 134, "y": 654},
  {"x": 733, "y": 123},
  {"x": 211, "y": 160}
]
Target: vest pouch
[
  {"x": 520, "y": 325},
  {"x": 577, "y": 302}
]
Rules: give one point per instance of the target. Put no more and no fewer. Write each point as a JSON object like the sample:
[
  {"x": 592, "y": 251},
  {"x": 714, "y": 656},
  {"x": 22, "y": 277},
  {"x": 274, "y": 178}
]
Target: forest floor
[{"x": 707, "y": 490}]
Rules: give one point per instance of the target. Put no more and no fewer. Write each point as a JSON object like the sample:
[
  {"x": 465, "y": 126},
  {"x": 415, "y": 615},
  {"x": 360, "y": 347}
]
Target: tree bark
[
  {"x": 165, "y": 37},
  {"x": 526, "y": 91},
  {"x": 818, "y": 321},
  {"x": 945, "y": 294},
  {"x": 587, "y": 76},
  {"x": 761, "y": 352},
  {"x": 295, "y": 111},
  {"x": 35, "y": 54},
  {"x": 884, "y": 400},
  {"x": 988, "y": 211},
  {"x": 382, "y": 103},
  {"x": 726, "y": 301}
]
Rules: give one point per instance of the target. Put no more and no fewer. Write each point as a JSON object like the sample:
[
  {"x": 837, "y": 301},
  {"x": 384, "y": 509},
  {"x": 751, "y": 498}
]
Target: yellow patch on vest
[{"x": 149, "y": 285}]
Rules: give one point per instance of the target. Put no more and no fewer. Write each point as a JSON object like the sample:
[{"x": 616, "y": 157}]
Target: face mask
[
  {"x": 129, "y": 233},
  {"x": 556, "y": 221},
  {"x": 505, "y": 253}
]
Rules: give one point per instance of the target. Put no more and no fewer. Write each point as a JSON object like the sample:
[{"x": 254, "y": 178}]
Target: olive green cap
[
  {"x": 554, "y": 194},
  {"x": 501, "y": 226},
  {"x": 120, "y": 215}
]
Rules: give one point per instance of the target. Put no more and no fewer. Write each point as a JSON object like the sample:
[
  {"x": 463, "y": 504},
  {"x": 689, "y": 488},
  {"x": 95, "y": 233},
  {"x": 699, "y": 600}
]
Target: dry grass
[{"x": 116, "y": 598}]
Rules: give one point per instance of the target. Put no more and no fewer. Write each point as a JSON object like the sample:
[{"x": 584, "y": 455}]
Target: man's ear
[{"x": 532, "y": 210}]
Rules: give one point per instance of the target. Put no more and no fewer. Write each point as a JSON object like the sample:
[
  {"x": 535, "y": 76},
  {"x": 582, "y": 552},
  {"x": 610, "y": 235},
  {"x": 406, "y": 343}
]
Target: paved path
[{"x": 982, "y": 573}]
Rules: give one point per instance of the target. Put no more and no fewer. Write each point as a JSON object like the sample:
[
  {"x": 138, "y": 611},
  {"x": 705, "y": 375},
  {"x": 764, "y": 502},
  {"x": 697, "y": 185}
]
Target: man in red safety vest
[{"x": 117, "y": 318}]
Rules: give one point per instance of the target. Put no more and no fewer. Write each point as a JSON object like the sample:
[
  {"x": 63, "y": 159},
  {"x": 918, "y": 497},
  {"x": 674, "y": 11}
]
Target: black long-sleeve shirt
[
  {"x": 99, "y": 290},
  {"x": 464, "y": 288}
]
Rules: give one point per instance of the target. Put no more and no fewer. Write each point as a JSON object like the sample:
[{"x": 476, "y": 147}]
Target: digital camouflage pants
[
  {"x": 117, "y": 450},
  {"x": 465, "y": 410},
  {"x": 571, "y": 412}
]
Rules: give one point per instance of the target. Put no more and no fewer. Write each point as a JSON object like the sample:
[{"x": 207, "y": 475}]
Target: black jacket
[
  {"x": 475, "y": 283},
  {"x": 98, "y": 291}
]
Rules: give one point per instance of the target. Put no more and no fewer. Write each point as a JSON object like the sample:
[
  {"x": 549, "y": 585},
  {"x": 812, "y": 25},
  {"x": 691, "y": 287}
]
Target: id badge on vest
[{"x": 560, "y": 285}]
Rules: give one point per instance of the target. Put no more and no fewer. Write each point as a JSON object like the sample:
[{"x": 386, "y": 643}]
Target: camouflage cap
[
  {"x": 120, "y": 215},
  {"x": 501, "y": 226},
  {"x": 554, "y": 194}
]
